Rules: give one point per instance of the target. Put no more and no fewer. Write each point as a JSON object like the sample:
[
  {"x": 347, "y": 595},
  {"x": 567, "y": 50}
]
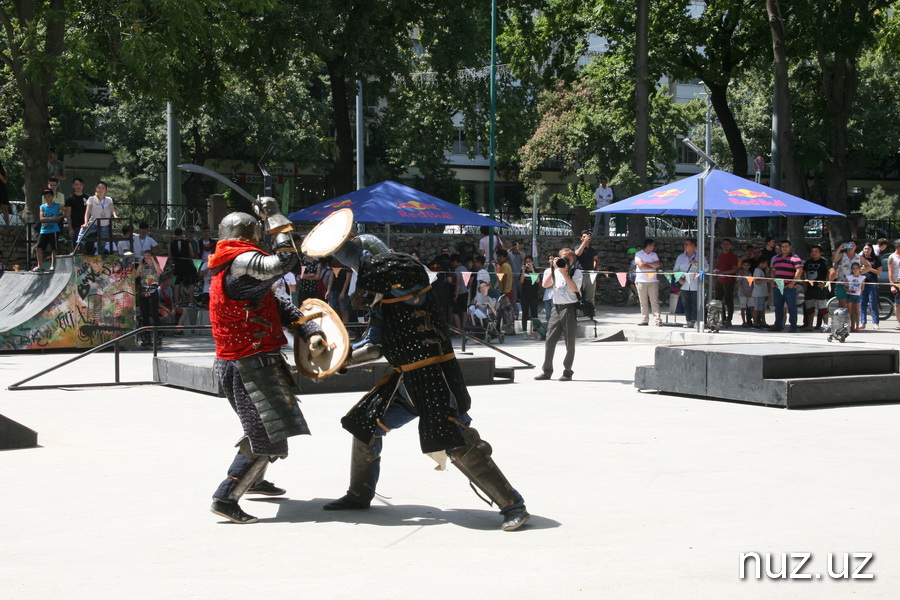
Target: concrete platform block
[
  {"x": 682, "y": 370},
  {"x": 645, "y": 377},
  {"x": 14, "y": 435},
  {"x": 788, "y": 376},
  {"x": 830, "y": 391}
]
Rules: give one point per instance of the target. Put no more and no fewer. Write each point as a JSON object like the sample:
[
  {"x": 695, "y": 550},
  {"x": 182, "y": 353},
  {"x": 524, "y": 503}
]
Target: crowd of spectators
[{"x": 474, "y": 279}]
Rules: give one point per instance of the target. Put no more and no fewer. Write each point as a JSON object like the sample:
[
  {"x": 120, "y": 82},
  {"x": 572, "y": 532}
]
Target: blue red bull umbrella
[
  {"x": 390, "y": 202},
  {"x": 725, "y": 196}
]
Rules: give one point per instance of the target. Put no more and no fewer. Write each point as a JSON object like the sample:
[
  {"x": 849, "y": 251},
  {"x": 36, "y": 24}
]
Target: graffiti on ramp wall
[{"x": 96, "y": 305}]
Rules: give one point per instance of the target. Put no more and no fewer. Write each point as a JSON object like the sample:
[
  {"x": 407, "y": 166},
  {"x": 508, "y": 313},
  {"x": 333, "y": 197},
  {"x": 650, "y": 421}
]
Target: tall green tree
[
  {"x": 238, "y": 127},
  {"x": 33, "y": 42},
  {"x": 589, "y": 126},
  {"x": 374, "y": 42}
]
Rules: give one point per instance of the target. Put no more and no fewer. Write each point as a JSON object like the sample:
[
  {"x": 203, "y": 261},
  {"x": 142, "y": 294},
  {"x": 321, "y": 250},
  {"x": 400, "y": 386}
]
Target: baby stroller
[{"x": 493, "y": 320}]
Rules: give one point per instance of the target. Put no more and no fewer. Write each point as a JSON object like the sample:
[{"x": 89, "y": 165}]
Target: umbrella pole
[
  {"x": 712, "y": 252},
  {"x": 701, "y": 248},
  {"x": 701, "y": 229}
]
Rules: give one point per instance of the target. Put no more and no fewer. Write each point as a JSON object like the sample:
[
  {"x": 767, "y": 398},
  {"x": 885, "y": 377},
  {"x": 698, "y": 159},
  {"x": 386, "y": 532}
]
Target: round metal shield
[
  {"x": 329, "y": 235},
  {"x": 326, "y": 363}
]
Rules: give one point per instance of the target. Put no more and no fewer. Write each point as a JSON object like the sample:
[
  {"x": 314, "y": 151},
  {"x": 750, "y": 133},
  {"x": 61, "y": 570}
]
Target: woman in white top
[
  {"x": 647, "y": 263},
  {"x": 99, "y": 208}
]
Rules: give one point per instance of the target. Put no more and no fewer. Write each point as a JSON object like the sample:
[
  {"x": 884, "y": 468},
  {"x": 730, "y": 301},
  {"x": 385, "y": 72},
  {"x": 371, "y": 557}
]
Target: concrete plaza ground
[{"x": 633, "y": 495}]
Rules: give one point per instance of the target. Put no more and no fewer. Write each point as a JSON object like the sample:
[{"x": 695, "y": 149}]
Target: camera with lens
[{"x": 561, "y": 262}]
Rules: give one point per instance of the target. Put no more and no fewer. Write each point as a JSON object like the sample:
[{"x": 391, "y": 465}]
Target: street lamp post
[{"x": 493, "y": 129}]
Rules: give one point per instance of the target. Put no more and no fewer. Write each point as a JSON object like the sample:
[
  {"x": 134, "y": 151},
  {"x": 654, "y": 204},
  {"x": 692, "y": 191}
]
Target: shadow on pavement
[{"x": 416, "y": 515}]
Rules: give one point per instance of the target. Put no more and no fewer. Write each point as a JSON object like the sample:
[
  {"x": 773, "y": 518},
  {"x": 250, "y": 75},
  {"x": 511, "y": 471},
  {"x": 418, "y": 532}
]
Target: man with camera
[{"x": 564, "y": 279}]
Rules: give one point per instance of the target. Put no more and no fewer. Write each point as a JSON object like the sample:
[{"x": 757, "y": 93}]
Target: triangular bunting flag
[
  {"x": 302, "y": 271},
  {"x": 162, "y": 261},
  {"x": 198, "y": 263},
  {"x": 500, "y": 276},
  {"x": 337, "y": 271},
  {"x": 780, "y": 284},
  {"x": 592, "y": 276},
  {"x": 534, "y": 277},
  {"x": 750, "y": 280},
  {"x": 466, "y": 275},
  {"x": 679, "y": 275},
  {"x": 622, "y": 277}
]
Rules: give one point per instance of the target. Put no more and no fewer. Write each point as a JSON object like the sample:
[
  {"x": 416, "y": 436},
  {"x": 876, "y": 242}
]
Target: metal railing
[
  {"x": 28, "y": 230},
  {"x": 157, "y": 215},
  {"x": 116, "y": 345}
]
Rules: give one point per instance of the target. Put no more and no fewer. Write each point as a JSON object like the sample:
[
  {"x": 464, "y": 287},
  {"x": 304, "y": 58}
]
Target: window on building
[{"x": 686, "y": 155}]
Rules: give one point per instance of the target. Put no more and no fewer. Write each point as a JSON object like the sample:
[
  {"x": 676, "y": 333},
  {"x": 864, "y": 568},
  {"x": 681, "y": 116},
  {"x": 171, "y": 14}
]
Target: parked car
[
  {"x": 476, "y": 229},
  {"x": 816, "y": 228},
  {"x": 655, "y": 227},
  {"x": 16, "y": 207},
  {"x": 546, "y": 226}
]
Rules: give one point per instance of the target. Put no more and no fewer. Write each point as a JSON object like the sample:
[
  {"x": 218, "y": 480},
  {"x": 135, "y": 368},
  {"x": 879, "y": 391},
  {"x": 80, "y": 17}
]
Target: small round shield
[
  {"x": 328, "y": 362},
  {"x": 329, "y": 235}
]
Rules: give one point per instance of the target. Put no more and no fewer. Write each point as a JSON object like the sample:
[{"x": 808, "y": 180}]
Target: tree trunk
[
  {"x": 32, "y": 64},
  {"x": 642, "y": 113},
  {"x": 191, "y": 186},
  {"x": 343, "y": 175},
  {"x": 35, "y": 145},
  {"x": 839, "y": 89},
  {"x": 792, "y": 176},
  {"x": 719, "y": 99}
]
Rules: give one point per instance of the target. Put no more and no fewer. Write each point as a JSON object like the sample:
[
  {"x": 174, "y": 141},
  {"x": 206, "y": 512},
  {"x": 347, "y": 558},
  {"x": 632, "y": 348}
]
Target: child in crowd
[
  {"x": 760, "y": 293},
  {"x": 855, "y": 285},
  {"x": 167, "y": 308},
  {"x": 51, "y": 215},
  {"x": 531, "y": 293},
  {"x": 147, "y": 281},
  {"x": 745, "y": 294}
]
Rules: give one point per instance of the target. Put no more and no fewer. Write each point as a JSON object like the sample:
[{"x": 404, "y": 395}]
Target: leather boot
[
  {"x": 475, "y": 462},
  {"x": 365, "y": 466}
]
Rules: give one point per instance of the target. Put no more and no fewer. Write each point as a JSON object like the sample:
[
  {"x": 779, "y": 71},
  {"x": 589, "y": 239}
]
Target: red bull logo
[
  {"x": 742, "y": 193},
  {"x": 666, "y": 193},
  {"x": 340, "y": 204},
  {"x": 744, "y": 197},
  {"x": 415, "y": 205},
  {"x": 659, "y": 197}
]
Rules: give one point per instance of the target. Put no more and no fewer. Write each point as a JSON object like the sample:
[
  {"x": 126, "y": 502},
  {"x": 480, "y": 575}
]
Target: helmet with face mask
[{"x": 240, "y": 226}]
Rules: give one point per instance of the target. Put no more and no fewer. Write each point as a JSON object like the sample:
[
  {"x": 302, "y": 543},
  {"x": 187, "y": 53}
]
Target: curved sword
[{"x": 218, "y": 177}]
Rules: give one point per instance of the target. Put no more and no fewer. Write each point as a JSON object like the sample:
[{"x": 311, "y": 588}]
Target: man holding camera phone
[{"x": 564, "y": 279}]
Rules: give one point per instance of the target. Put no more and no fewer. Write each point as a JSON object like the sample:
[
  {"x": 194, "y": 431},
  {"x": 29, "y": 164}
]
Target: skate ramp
[
  {"x": 86, "y": 301},
  {"x": 24, "y": 294}
]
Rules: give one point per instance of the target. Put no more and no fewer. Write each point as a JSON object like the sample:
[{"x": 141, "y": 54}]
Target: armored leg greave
[
  {"x": 474, "y": 460},
  {"x": 365, "y": 467},
  {"x": 243, "y": 474}
]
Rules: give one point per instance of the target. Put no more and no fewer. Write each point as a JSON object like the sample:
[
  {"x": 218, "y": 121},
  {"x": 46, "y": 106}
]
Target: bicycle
[
  {"x": 617, "y": 296},
  {"x": 885, "y": 306}
]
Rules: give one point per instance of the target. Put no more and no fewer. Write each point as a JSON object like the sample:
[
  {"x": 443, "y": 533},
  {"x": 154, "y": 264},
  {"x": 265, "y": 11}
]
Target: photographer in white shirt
[{"x": 564, "y": 278}]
